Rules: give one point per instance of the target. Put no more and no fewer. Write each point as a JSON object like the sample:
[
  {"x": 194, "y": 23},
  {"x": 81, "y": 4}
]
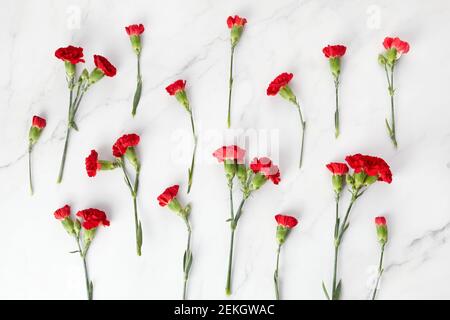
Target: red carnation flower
[
  {"x": 93, "y": 218},
  {"x": 335, "y": 51},
  {"x": 103, "y": 64},
  {"x": 338, "y": 168},
  {"x": 70, "y": 54},
  {"x": 286, "y": 221},
  {"x": 402, "y": 47},
  {"x": 39, "y": 122},
  {"x": 62, "y": 213},
  {"x": 264, "y": 166},
  {"x": 380, "y": 221},
  {"x": 135, "y": 29},
  {"x": 128, "y": 140},
  {"x": 236, "y": 21},
  {"x": 168, "y": 194},
  {"x": 230, "y": 153},
  {"x": 92, "y": 164},
  {"x": 279, "y": 82},
  {"x": 178, "y": 85},
  {"x": 372, "y": 166}
]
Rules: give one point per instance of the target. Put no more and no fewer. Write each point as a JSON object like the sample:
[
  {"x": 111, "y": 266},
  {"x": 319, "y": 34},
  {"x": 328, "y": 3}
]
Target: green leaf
[
  {"x": 76, "y": 251},
  {"x": 139, "y": 237},
  {"x": 388, "y": 128},
  {"x": 91, "y": 290},
  {"x": 325, "y": 291},
  {"x": 137, "y": 97},
  {"x": 337, "y": 292}
]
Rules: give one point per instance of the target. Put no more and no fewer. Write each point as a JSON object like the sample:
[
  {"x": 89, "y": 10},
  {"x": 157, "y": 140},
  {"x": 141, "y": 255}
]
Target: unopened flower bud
[
  {"x": 77, "y": 227},
  {"x": 381, "y": 59},
  {"x": 241, "y": 173},
  {"x": 382, "y": 231}
]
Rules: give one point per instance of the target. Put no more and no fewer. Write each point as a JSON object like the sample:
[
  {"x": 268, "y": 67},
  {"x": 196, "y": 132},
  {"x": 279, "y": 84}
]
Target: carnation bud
[
  {"x": 350, "y": 180},
  {"x": 34, "y": 134},
  {"x": 131, "y": 156},
  {"x": 107, "y": 165},
  {"x": 338, "y": 182},
  {"x": 175, "y": 206},
  {"x": 77, "y": 227},
  {"x": 230, "y": 168},
  {"x": 335, "y": 66},
  {"x": 182, "y": 98},
  {"x": 68, "y": 225},
  {"x": 286, "y": 93},
  {"x": 258, "y": 181},
  {"x": 382, "y": 231},
  {"x": 84, "y": 75},
  {"x": 89, "y": 235},
  {"x": 391, "y": 56},
  {"x": 242, "y": 173},
  {"x": 370, "y": 180},
  {"x": 381, "y": 59},
  {"x": 360, "y": 179},
  {"x": 70, "y": 69},
  {"x": 282, "y": 233},
  {"x": 236, "y": 32},
  {"x": 95, "y": 75},
  {"x": 136, "y": 43}
]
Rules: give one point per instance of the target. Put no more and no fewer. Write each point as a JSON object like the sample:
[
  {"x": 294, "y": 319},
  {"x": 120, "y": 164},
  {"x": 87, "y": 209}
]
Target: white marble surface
[{"x": 190, "y": 40}]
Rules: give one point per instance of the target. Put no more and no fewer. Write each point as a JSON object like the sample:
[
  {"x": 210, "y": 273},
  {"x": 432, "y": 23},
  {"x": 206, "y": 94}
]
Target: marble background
[{"x": 190, "y": 40}]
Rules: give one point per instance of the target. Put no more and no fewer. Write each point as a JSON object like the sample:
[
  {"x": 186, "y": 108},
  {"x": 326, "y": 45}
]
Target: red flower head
[
  {"x": 402, "y": 47},
  {"x": 336, "y": 51},
  {"x": 128, "y": 140},
  {"x": 105, "y": 66},
  {"x": 380, "y": 221},
  {"x": 372, "y": 166},
  {"x": 338, "y": 168},
  {"x": 265, "y": 167},
  {"x": 92, "y": 164},
  {"x": 175, "y": 87},
  {"x": 236, "y": 21},
  {"x": 168, "y": 194},
  {"x": 279, "y": 82},
  {"x": 39, "y": 122},
  {"x": 230, "y": 153},
  {"x": 286, "y": 221},
  {"x": 70, "y": 54},
  {"x": 62, "y": 213},
  {"x": 135, "y": 29},
  {"x": 93, "y": 218}
]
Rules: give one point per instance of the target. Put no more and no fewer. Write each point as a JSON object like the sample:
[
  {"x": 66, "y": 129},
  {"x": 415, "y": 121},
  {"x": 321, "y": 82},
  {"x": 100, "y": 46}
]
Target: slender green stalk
[
  {"x": 30, "y": 148},
  {"x": 187, "y": 259},
  {"x": 230, "y": 88},
  {"x": 191, "y": 170},
  {"x": 336, "y": 113},
  {"x": 302, "y": 135},
  {"x": 89, "y": 286},
  {"x": 275, "y": 276},
  {"x": 233, "y": 227},
  {"x": 133, "y": 191},
  {"x": 391, "y": 90},
  {"x": 380, "y": 271},
  {"x": 137, "y": 93},
  {"x": 64, "y": 155}
]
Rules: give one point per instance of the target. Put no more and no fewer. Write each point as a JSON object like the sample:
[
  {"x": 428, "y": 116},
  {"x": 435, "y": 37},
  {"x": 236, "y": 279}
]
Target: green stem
[
  {"x": 89, "y": 287},
  {"x": 133, "y": 191},
  {"x": 64, "y": 155},
  {"x": 380, "y": 271},
  {"x": 137, "y": 94},
  {"x": 191, "y": 170},
  {"x": 188, "y": 251},
  {"x": 336, "y": 113},
  {"x": 302, "y": 136},
  {"x": 277, "y": 289},
  {"x": 230, "y": 83},
  {"x": 336, "y": 249},
  {"x": 230, "y": 264},
  {"x": 390, "y": 80},
  {"x": 30, "y": 148}
]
